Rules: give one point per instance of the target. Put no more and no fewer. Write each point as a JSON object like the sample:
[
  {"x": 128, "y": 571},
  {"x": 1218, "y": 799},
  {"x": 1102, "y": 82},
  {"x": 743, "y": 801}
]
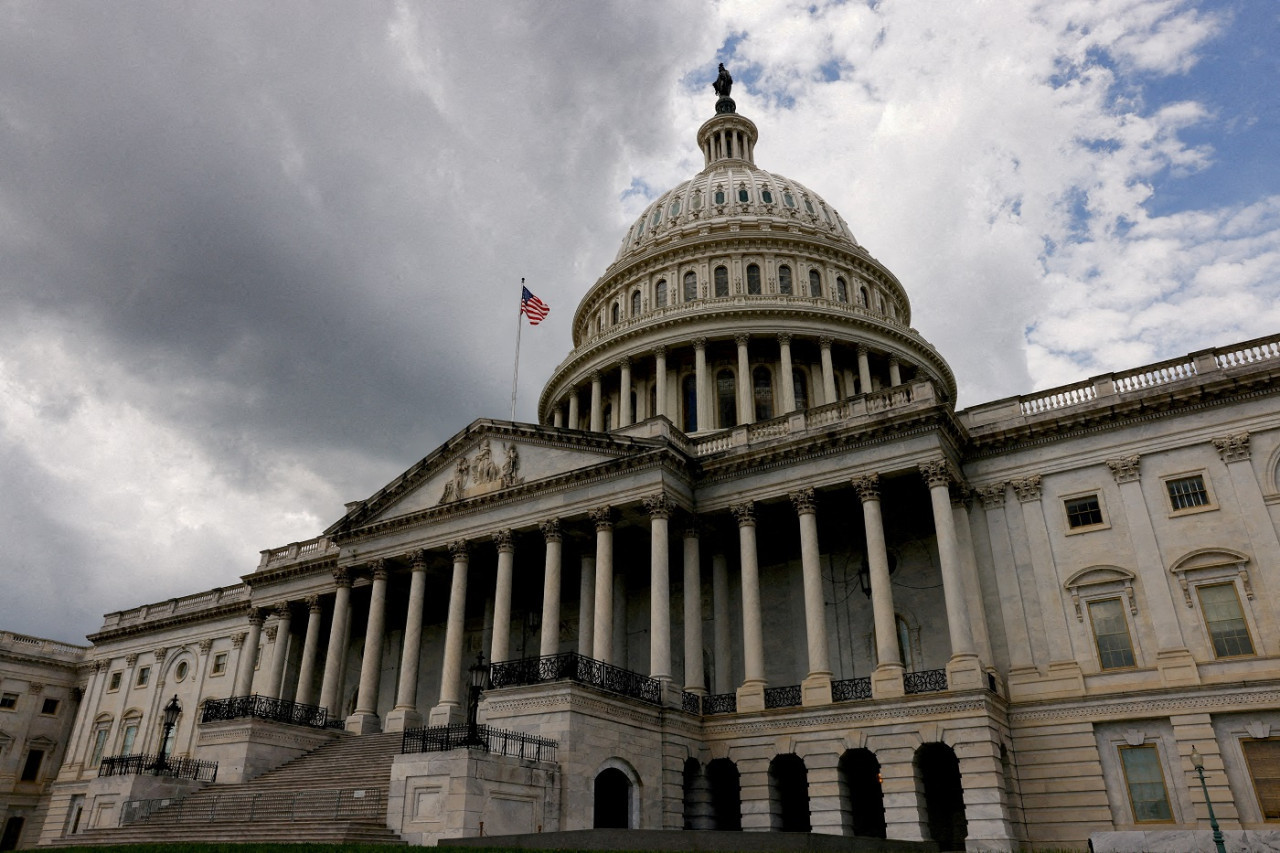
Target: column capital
[
  {"x": 603, "y": 517},
  {"x": 160, "y": 653},
  {"x": 862, "y": 350},
  {"x": 699, "y": 343},
  {"x": 237, "y": 641},
  {"x": 504, "y": 540},
  {"x": 868, "y": 487},
  {"x": 659, "y": 352},
  {"x": 624, "y": 362},
  {"x": 342, "y": 576},
  {"x": 205, "y": 645},
  {"x": 825, "y": 341},
  {"x": 659, "y": 505},
  {"x": 784, "y": 338},
  {"x": 692, "y": 527},
  {"x": 961, "y": 494},
  {"x": 745, "y": 513},
  {"x": 1126, "y": 469},
  {"x": 460, "y": 550},
  {"x": 805, "y": 502},
  {"x": 1234, "y": 447},
  {"x": 936, "y": 472},
  {"x": 1027, "y": 488},
  {"x": 551, "y": 530},
  {"x": 256, "y": 616},
  {"x": 282, "y": 610},
  {"x": 378, "y": 569},
  {"x": 270, "y": 632},
  {"x": 893, "y": 359},
  {"x": 596, "y": 376},
  {"x": 313, "y": 603},
  {"x": 992, "y": 496},
  {"x": 417, "y": 560},
  {"x": 741, "y": 339},
  {"x": 132, "y": 659}
]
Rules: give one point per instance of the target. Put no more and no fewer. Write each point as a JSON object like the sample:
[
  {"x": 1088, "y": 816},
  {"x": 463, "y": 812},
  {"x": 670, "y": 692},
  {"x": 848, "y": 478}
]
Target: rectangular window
[
  {"x": 144, "y": 676},
  {"x": 31, "y": 769},
  {"x": 114, "y": 684},
  {"x": 1263, "y": 758},
  {"x": 1111, "y": 632},
  {"x": 1083, "y": 512},
  {"x": 99, "y": 744},
  {"x": 1225, "y": 620},
  {"x": 49, "y": 707},
  {"x": 1145, "y": 781},
  {"x": 8, "y": 701},
  {"x": 219, "y": 663},
  {"x": 130, "y": 735},
  {"x": 1187, "y": 492}
]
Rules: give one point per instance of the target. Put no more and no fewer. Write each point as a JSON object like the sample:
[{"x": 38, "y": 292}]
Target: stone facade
[{"x": 749, "y": 478}]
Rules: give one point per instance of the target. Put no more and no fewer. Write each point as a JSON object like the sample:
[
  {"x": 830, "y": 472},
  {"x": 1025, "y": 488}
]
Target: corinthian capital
[
  {"x": 603, "y": 517},
  {"x": 936, "y": 472},
  {"x": 745, "y": 513},
  {"x": 868, "y": 487},
  {"x": 659, "y": 505},
  {"x": 551, "y": 530},
  {"x": 992, "y": 496},
  {"x": 1233, "y": 448},
  {"x": 505, "y": 541},
  {"x": 460, "y": 550},
  {"x": 804, "y": 501},
  {"x": 1027, "y": 488},
  {"x": 1125, "y": 470},
  {"x": 378, "y": 569}
]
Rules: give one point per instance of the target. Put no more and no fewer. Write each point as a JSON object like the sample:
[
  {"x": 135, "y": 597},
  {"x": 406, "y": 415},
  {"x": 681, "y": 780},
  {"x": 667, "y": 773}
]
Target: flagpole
[{"x": 515, "y": 373}]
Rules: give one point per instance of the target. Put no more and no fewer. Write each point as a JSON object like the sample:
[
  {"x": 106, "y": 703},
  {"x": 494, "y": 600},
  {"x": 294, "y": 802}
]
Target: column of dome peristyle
[{"x": 728, "y": 136}]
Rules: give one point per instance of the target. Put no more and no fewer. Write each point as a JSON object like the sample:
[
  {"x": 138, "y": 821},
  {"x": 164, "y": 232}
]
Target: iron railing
[
  {"x": 690, "y": 703},
  {"x": 783, "y": 697},
  {"x": 264, "y": 708},
  {"x": 572, "y": 666},
  {"x": 720, "y": 703},
  {"x": 324, "y": 804},
  {"x": 850, "y": 689},
  {"x": 159, "y": 765},
  {"x": 925, "y": 681},
  {"x": 459, "y": 735}
]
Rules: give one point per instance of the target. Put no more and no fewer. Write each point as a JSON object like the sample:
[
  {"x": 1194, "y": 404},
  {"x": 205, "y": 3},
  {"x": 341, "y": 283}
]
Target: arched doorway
[
  {"x": 860, "y": 775},
  {"x": 938, "y": 770},
  {"x": 612, "y": 799},
  {"x": 726, "y": 794},
  {"x": 789, "y": 793}
]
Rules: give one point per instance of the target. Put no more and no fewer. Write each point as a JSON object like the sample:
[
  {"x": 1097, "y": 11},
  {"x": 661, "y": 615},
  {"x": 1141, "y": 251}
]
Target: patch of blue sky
[{"x": 639, "y": 187}]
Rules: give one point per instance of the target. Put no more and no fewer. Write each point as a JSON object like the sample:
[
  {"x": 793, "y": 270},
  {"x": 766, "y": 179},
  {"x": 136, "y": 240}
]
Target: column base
[
  {"x": 363, "y": 723},
  {"x": 1177, "y": 667},
  {"x": 964, "y": 672},
  {"x": 751, "y": 696},
  {"x": 446, "y": 713},
  {"x": 886, "y": 681},
  {"x": 401, "y": 719},
  {"x": 816, "y": 689}
]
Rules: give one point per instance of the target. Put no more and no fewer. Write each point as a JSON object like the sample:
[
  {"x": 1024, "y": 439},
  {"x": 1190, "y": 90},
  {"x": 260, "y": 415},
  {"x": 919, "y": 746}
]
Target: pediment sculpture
[{"x": 480, "y": 473}]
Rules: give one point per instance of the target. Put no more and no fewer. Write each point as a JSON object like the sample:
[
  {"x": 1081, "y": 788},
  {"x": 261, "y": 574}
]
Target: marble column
[
  {"x": 284, "y": 617},
  {"x": 660, "y": 380},
  {"x": 864, "y": 371},
  {"x": 305, "y": 694},
  {"x": 574, "y": 420},
  {"x": 886, "y": 679},
  {"x": 597, "y": 403},
  {"x": 963, "y": 669},
  {"x": 751, "y": 693},
  {"x": 746, "y": 409},
  {"x": 405, "y": 715},
  {"x": 961, "y": 499},
  {"x": 365, "y": 719},
  {"x": 602, "y": 642},
  {"x": 700, "y": 384},
  {"x": 450, "y": 709},
  {"x": 895, "y": 372},
  {"x": 501, "y": 648},
  {"x": 625, "y": 415},
  {"x": 816, "y": 688},
  {"x": 248, "y": 655},
  {"x": 659, "y": 507},
  {"x": 787, "y": 385},
  {"x": 557, "y": 416},
  {"x": 722, "y": 625},
  {"x": 550, "y": 640},
  {"x": 331, "y": 685},
  {"x": 694, "y": 679},
  {"x": 828, "y": 371},
  {"x": 587, "y": 606}
]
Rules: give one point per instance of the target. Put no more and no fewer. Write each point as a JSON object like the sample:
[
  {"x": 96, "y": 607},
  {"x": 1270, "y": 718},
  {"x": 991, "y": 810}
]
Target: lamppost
[
  {"x": 1197, "y": 761},
  {"x": 479, "y": 681},
  {"x": 171, "y": 712}
]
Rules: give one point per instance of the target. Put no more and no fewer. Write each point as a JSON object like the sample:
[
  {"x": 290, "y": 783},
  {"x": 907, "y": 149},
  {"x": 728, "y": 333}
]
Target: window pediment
[
  {"x": 1094, "y": 579},
  {"x": 1210, "y": 563}
]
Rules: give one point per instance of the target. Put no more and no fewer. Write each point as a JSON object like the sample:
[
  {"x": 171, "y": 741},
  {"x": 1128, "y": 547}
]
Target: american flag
[{"x": 533, "y": 307}]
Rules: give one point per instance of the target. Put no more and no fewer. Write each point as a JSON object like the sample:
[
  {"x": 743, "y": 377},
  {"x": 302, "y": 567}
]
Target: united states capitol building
[{"x": 750, "y": 570}]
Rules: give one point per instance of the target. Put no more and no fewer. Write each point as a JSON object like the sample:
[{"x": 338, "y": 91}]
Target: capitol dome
[{"x": 738, "y": 296}]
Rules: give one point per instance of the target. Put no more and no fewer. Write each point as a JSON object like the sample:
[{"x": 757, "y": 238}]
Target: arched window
[
  {"x": 726, "y": 794},
  {"x": 743, "y": 195},
  {"x": 727, "y": 398},
  {"x": 842, "y": 289},
  {"x": 863, "y": 300},
  {"x": 690, "y": 286},
  {"x": 784, "y": 280},
  {"x": 766, "y": 196},
  {"x": 815, "y": 283},
  {"x": 635, "y": 303},
  {"x": 660, "y": 294},
  {"x": 722, "y": 281},
  {"x": 613, "y": 314},
  {"x": 753, "y": 279},
  {"x": 789, "y": 793},
  {"x": 862, "y": 794},
  {"x": 762, "y": 388},
  {"x": 689, "y": 402},
  {"x": 801, "y": 386},
  {"x": 719, "y": 196},
  {"x": 129, "y": 726},
  {"x": 938, "y": 770},
  {"x": 612, "y": 799}
]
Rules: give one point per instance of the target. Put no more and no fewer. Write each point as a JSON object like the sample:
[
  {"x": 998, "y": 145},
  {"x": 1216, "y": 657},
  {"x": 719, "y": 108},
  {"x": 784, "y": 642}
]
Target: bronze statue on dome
[{"x": 723, "y": 83}]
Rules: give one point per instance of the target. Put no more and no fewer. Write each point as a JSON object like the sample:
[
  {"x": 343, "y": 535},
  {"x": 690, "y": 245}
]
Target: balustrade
[
  {"x": 851, "y": 689},
  {"x": 720, "y": 703},
  {"x": 498, "y": 741},
  {"x": 782, "y": 697},
  {"x": 159, "y": 765},
  {"x": 265, "y": 708},
  {"x": 925, "y": 681},
  {"x": 571, "y": 666}
]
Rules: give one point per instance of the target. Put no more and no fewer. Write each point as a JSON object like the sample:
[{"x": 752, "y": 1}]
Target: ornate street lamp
[
  {"x": 1197, "y": 761},
  {"x": 479, "y": 683},
  {"x": 170, "y": 719}
]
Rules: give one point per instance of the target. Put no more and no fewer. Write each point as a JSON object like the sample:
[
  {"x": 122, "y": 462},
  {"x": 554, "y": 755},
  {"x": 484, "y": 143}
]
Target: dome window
[
  {"x": 842, "y": 289},
  {"x": 657, "y": 217},
  {"x": 815, "y": 283},
  {"x": 788, "y": 199},
  {"x": 826, "y": 215},
  {"x": 719, "y": 196},
  {"x": 808, "y": 205},
  {"x": 722, "y": 281},
  {"x": 635, "y": 303},
  {"x": 697, "y": 200},
  {"x": 863, "y": 299},
  {"x": 660, "y": 294},
  {"x": 784, "y": 280},
  {"x": 753, "y": 279},
  {"x": 614, "y": 314},
  {"x": 675, "y": 208},
  {"x": 690, "y": 287},
  {"x": 640, "y": 228},
  {"x": 743, "y": 195},
  {"x": 766, "y": 196}
]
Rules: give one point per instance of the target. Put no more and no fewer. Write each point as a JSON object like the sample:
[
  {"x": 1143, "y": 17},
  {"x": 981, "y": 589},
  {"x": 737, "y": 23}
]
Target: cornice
[
  {"x": 220, "y": 611},
  {"x": 796, "y": 718},
  {"x": 72, "y": 666},
  {"x": 269, "y": 577},
  {"x": 1099, "y": 708}
]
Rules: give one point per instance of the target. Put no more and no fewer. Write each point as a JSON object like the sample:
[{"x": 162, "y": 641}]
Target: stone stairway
[{"x": 334, "y": 794}]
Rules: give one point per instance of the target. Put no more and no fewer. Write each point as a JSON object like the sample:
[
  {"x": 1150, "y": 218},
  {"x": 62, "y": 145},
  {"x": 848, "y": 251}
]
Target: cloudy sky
[{"x": 258, "y": 258}]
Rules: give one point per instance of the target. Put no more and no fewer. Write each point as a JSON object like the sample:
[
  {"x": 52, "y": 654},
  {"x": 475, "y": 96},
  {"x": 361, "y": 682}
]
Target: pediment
[
  {"x": 484, "y": 459},
  {"x": 1209, "y": 558},
  {"x": 1099, "y": 575}
]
